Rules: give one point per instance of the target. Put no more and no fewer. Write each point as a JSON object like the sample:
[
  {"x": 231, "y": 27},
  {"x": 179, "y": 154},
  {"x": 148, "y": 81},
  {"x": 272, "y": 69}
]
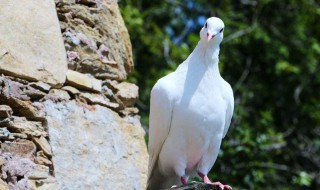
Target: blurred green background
[{"x": 270, "y": 56}]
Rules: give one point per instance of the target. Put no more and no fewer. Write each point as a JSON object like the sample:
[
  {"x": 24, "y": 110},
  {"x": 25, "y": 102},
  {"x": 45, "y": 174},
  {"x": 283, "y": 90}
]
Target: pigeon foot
[
  {"x": 221, "y": 186},
  {"x": 217, "y": 184}
]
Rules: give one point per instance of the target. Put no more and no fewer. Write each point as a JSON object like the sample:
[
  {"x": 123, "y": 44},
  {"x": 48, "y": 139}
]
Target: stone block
[
  {"x": 31, "y": 42},
  {"x": 83, "y": 81},
  {"x": 44, "y": 145},
  {"x": 22, "y": 148},
  {"x": 30, "y": 128},
  {"x": 128, "y": 93},
  {"x": 39, "y": 172},
  {"x": 98, "y": 99},
  {"x": 40, "y": 86},
  {"x": 104, "y": 150}
]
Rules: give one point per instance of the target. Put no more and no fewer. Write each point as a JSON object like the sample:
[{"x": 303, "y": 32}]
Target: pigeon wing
[
  {"x": 230, "y": 107},
  {"x": 161, "y": 109}
]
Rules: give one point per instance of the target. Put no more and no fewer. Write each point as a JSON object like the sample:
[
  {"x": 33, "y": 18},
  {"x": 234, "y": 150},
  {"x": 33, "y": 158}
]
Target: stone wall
[{"x": 67, "y": 118}]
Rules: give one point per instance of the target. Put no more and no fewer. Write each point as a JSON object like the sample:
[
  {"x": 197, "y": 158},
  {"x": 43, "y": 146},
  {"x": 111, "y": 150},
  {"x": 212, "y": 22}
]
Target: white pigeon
[{"x": 190, "y": 113}]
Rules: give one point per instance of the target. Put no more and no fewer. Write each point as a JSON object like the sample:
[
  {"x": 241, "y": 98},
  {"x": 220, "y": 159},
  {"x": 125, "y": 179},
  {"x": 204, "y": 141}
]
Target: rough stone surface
[
  {"x": 96, "y": 139},
  {"x": 19, "y": 136},
  {"x": 58, "y": 95},
  {"x": 5, "y": 134},
  {"x": 21, "y": 148},
  {"x": 24, "y": 126},
  {"x": 13, "y": 89},
  {"x": 83, "y": 81},
  {"x": 96, "y": 37},
  {"x": 111, "y": 84},
  {"x": 19, "y": 97},
  {"x": 16, "y": 170},
  {"x": 106, "y": 151},
  {"x": 42, "y": 161},
  {"x": 44, "y": 145},
  {"x": 20, "y": 184},
  {"x": 39, "y": 172},
  {"x": 23, "y": 108},
  {"x": 3, "y": 185},
  {"x": 98, "y": 99},
  {"x": 31, "y": 43},
  {"x": 127, "y": 93},
  {"x": 41, "y": 86},
  {"x": 48, "y": 186},
  {"x": 71, "y": 90},
  {"x": 5, "y": 111},
  {"x": 130, "y": 111}
]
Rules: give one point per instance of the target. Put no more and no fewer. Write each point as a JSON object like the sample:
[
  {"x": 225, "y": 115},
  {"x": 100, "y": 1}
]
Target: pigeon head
[{"x": 212, "y": 31}]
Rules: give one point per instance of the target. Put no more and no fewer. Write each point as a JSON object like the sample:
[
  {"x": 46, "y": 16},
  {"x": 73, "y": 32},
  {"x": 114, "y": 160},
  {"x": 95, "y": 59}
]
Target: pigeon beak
[{"x": 209, "y": 36}]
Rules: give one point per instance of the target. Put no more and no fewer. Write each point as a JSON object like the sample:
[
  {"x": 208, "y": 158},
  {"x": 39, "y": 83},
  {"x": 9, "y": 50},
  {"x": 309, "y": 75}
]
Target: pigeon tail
[{"x": 158, "y": 181}]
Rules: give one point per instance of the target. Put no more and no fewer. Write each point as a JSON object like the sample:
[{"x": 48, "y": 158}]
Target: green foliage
[
  {"x": 270, "y": 56},
  {"x": 303, "y": 179}
]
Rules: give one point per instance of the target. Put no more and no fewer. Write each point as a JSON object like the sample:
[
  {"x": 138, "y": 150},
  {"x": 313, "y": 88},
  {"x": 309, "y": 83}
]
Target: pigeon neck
[{"x": 209, "y": 53}]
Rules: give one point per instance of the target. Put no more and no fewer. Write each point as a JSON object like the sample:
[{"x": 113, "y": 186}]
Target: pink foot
[
  {"x": 183, "y": 180},
  {"x": 204, "y": 177},
  {"x": 218, "y": 184}
]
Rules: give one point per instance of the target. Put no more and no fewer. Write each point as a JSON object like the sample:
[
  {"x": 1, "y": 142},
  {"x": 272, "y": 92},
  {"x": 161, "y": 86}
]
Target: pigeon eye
[
  {"x": 206, "y": 25},
  {"x": 221, "y": 30}
]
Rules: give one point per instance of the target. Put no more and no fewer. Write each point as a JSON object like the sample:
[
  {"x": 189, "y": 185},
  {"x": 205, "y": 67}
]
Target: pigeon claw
[
  {"x": 221, "y": 186},
  {"x": 215, "y": 184},
  {"x": 227, "y": 187},
  {"x": 218, "y": 184}
]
